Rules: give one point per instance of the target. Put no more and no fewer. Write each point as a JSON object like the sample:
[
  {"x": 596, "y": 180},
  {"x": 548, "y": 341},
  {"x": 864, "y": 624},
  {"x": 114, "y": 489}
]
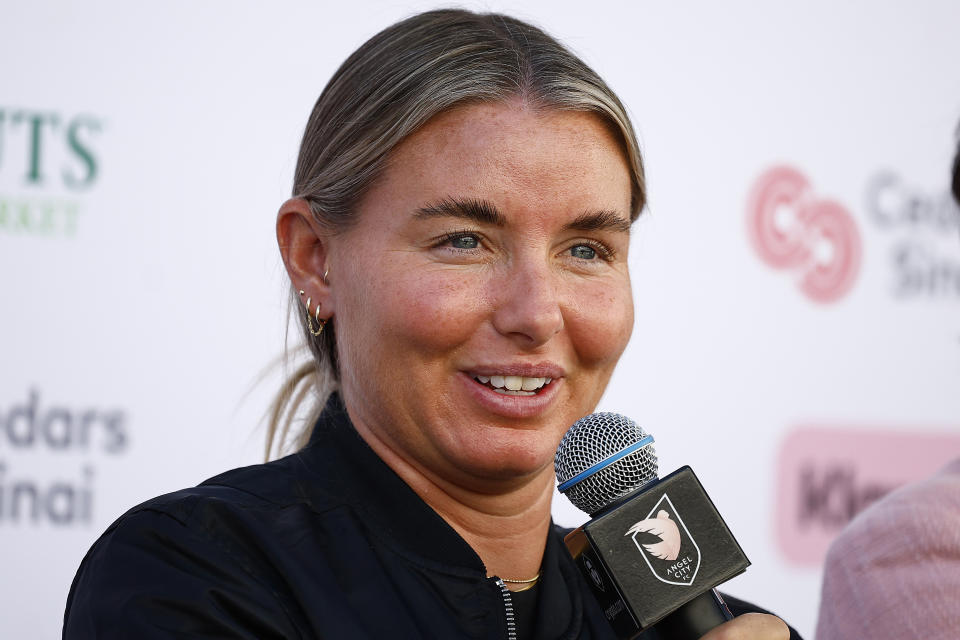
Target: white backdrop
[{"x": 144, "y": 152}]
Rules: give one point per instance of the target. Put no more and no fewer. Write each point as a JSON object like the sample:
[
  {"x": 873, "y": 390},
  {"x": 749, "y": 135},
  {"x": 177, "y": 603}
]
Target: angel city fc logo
[
  {"x": 792, "y": 229},
  {"x": 666, "y": 544}
]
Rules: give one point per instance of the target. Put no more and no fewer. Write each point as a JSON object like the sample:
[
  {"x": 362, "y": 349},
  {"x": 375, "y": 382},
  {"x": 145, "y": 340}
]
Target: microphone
[{"x": 653, "y": 549}]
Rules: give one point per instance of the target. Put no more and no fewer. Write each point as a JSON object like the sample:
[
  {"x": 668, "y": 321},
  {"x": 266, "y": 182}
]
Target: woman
[{"x": 458, "y": 242}]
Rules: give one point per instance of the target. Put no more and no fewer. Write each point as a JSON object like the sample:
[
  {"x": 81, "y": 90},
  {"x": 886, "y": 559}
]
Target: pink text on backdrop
[{"x": 828, "y": 475}]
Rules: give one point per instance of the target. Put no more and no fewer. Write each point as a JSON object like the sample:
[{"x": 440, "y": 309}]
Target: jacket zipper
[{"x": 508, "y": 608}]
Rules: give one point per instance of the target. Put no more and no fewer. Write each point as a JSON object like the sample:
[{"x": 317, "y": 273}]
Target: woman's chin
[{"x": 508, "y": 459}]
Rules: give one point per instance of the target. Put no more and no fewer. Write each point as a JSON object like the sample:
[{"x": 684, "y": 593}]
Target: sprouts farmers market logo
[
  {"x": 816, "y": 239},
  {"x": 48, "y": 456},
  {"x": 48, "y": 163}
]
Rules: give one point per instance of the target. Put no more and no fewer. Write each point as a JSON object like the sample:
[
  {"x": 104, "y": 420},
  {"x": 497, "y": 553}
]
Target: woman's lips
[
  {"x": 514, "y": 385},
  {"x": 512, "y": 403}
]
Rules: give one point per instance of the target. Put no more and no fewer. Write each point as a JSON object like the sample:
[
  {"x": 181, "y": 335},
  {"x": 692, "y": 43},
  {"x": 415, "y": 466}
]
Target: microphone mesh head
[{"x": 593, "y": 439}]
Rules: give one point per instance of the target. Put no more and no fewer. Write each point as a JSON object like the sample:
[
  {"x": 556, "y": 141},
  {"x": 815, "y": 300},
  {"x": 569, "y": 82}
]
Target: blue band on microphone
[{"x": 605, "y": 463}]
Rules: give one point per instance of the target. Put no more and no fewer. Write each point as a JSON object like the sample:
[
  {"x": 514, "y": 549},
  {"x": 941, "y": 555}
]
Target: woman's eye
[
  {"x": 583, "y": 252},
  {"x": 464, "y": 241}
]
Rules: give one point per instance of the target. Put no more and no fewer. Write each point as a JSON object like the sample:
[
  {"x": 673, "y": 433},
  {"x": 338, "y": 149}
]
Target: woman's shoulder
[
  {"x": 205, "y": 555},
  {"x": 166, "y": 564},
  {"x": 226, "y": 506},
  {"x": 245, "y": 490}
]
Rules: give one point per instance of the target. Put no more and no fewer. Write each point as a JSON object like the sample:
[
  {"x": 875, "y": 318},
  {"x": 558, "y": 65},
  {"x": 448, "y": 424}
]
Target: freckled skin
[{"x": 413, "y": 314}]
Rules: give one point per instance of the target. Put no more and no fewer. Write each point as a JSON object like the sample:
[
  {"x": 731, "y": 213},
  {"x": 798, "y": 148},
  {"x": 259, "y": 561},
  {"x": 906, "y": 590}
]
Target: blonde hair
[{"x": 392, "y": 85}]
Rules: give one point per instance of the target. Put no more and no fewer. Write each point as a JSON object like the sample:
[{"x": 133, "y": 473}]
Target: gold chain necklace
[{"x": 527, "y": 581}]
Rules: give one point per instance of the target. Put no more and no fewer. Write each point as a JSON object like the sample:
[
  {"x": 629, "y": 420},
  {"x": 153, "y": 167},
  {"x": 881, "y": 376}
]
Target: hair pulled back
[{"x": 388, "y": 88}]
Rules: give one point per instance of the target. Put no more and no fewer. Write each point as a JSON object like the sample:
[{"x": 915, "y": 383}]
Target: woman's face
[{"x": 482, "y": 299}]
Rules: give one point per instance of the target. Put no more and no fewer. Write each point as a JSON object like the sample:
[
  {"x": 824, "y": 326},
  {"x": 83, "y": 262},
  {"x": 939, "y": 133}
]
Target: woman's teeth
[{"x": 514, "y": 385}]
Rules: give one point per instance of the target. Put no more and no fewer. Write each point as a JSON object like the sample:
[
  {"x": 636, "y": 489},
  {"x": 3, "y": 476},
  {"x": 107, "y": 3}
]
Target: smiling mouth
[{"x": 514, "y": 385}]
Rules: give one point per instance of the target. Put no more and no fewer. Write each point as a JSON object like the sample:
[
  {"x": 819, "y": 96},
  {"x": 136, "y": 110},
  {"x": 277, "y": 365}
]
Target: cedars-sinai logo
[
  {"x": 48, "y": 162},
  {"x": 793, "y": 229},
  {"x": 666, "y": 544}
]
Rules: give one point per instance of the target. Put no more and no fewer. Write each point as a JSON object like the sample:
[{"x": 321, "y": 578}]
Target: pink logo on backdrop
[
  {"x": 828, "y": 475},
  {"x": 792, "y": 229}
]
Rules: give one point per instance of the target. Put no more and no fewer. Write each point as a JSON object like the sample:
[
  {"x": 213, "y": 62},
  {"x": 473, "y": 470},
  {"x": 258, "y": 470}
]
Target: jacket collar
[
  {"x": 390, "y": 507},
  {"x": 353, "y": 474}
]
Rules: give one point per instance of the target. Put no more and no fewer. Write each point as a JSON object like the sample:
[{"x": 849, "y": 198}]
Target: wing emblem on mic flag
[
  {"x": 664, "y": 528},
  {"x": 666, "y": 545}
]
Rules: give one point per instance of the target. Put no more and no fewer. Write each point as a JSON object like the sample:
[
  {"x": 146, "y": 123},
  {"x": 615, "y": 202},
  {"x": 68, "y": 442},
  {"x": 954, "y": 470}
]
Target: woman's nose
[{"x": 528, "y": 308}]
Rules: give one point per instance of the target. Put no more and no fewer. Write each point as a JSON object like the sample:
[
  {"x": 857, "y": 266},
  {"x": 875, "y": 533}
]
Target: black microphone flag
[{"x": 652, "y": 552}]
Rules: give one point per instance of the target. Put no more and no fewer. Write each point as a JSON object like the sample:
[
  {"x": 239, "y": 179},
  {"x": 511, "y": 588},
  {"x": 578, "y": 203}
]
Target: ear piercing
[{"x": 320, "y": 322}]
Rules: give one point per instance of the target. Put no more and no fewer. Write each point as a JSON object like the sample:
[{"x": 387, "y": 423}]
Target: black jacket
[{"x": 325, "y": 543}]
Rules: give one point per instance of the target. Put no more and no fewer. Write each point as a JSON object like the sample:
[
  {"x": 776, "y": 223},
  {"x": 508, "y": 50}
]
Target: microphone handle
[{"x": 696, "y": 618}]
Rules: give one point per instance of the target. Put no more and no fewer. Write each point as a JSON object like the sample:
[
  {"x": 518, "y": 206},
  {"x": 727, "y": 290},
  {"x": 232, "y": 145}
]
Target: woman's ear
[{"x": 303, "y": 246}]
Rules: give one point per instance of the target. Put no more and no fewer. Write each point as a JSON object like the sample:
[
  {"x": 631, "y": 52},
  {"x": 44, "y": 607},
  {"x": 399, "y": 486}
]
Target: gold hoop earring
[
  {"x": 325, "y": 273},
  {"x": 320, "y": 322}
]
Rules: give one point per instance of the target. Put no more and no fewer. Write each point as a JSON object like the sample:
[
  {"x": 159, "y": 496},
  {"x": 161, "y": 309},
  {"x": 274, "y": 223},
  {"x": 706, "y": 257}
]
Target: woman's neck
[
  {"x": 505, "y": 523},
  {"x": 508, "y": 531}
]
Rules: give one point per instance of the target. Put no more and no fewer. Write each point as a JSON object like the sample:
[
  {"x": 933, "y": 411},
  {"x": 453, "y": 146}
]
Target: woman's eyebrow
[
  {"x": 485, "y": 212},
  {"x": 602, "y": 220},
  {"x": 480, "y": 211}
]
